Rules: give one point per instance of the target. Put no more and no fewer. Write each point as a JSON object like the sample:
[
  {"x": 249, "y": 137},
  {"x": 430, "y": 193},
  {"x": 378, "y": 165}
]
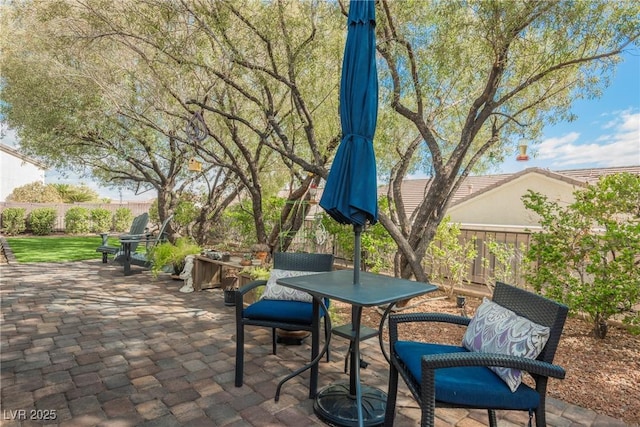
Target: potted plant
[
  {"x": 246, "y": 260},
  {"x": 261, "y": 251},
  {"x": 257, "y": 272},
  {"x": 170, "y": 257},
  {"x": 229, "y": 286}
]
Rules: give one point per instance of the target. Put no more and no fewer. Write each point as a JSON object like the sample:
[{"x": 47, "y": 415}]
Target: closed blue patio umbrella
[
  {"x": 350, "y": 194},
  {"x": 350, "y": 197}
]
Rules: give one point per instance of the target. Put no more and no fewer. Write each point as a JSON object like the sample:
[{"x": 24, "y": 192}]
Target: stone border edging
[{"x": 8, "y": 253}]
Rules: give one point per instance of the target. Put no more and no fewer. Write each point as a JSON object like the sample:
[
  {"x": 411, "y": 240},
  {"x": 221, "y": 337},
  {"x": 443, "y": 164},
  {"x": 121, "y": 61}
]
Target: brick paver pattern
[{"x": 83, "y": 345}]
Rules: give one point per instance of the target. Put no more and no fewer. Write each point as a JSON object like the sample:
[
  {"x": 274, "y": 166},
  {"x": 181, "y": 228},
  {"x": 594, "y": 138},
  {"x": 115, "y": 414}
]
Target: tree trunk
[{"x": 600, "y": 327}]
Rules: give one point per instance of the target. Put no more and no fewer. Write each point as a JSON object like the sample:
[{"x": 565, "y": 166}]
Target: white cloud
[{"x": 618, "y": 146}]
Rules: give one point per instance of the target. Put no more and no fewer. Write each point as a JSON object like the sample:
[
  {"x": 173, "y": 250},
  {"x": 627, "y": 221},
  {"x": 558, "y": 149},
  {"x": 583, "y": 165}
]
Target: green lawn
[{"x": 56, "y": 249}]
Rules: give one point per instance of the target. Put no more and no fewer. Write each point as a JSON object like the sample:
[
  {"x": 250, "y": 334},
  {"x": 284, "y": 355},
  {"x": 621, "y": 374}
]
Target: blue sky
[{"x": 605, "y": 134}]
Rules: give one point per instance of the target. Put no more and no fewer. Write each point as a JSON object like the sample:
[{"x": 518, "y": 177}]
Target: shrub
[
  {"x": 587, "y": 252},
  {"x": 449, "y": 257},
  {"x": 101, "y": 220},
  {"x": 185, "y": 213},
  {"x": 76, "y": 220},
  {"x": 502, "y": 264},
  {"x": 242, "y": 224},
  {"x": 122, "y": 219},
  {"x": 36, "y": 192},
  {"x": 41, "y": 221},
  {"x": 14, "y": 220}
]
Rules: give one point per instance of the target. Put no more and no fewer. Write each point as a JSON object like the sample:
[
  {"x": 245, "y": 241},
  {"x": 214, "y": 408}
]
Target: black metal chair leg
[
  {"x": 273, "y": 340},
  {"x": 239, "y": 354},
  {"x": 492, "y": 418},
  {"x": 326, "y": 334},
  {"x": 392, "y": 392}
]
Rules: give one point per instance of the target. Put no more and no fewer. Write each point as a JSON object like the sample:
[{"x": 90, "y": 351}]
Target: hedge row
[{"x": 78, "y": 220}]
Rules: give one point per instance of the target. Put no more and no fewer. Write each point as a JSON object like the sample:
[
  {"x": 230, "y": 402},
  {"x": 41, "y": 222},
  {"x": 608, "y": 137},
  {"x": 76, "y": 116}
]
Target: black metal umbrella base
[{"x": 336, "y": 406}]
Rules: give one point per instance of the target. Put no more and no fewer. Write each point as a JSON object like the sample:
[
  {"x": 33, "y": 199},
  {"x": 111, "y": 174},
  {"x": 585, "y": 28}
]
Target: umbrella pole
[{"x": 357, "y": 232}]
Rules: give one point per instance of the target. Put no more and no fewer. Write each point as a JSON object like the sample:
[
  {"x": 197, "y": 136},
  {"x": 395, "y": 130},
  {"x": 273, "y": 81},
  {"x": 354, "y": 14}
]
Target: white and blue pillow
[
  {"x": 275, "y": 291},
  {"x": 495, "y": 329}
]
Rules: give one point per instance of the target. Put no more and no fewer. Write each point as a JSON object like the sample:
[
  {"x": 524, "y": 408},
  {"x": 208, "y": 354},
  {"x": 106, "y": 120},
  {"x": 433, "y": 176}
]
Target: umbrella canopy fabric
[{"x": 350, "y": 195}]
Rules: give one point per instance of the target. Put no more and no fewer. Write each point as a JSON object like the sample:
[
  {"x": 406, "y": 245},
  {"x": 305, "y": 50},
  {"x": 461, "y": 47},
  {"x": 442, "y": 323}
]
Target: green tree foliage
[
  {"x": 272, "y": 110},
  {"x": 77, "y": 220},
  {"x": 14, "y": 220},
  {"x": 468, "y": 79},
  {"x": 186, "y": 213},
  {"x": 42, "y": 220},
  {"x": 588, "y": 253},
  {"x": 76, "y": 193},
  {"x": 377, "y": 245},
  {"x": 36, "y": 192},
  {"x": 240, "y": 221},
  {"x": 108, "y": 113},
  {"x": 448, "y": 257},
  {"x": 109, "y": 87},
  {"x": 121, "y": 108}
]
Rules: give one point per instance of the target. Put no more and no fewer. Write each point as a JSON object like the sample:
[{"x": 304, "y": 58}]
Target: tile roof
[
  {"x": 592, "y": 175},
  {"x": 413, "y": 190}
]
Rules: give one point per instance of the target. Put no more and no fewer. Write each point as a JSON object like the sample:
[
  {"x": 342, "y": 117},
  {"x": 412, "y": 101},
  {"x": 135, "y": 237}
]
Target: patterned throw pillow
[
  {"x": 495, "y": 329},
  {"x": 275, "y": 291}
]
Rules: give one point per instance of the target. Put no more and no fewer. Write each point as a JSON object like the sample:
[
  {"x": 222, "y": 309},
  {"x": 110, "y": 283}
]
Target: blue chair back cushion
[
  {"x": 474, "y": 386},
  {"x": 280, "y": 311}
]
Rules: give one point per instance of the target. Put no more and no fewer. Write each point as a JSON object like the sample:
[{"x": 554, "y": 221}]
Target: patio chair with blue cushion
[
  {"x": 281, "y": 307},
  {"x": 515, "y": 333},
  {"x": 138, "y": 226}
]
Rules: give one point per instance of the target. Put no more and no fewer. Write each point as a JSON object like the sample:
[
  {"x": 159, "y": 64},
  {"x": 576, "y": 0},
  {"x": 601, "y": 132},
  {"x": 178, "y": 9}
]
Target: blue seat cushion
[
  {"x": 280, "y": 311},
  {"x": 474, "y": 386}
]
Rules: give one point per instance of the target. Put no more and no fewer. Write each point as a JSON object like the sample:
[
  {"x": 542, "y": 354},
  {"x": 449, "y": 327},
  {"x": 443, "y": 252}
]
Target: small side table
[{"x": 352, "y": 404}]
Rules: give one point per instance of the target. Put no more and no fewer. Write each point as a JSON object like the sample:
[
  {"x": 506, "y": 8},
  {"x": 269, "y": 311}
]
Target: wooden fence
[
  {"x": 313, "y": 238},
  {"x": 136, "y": 208},
  {"x": 517, "y": 240}
]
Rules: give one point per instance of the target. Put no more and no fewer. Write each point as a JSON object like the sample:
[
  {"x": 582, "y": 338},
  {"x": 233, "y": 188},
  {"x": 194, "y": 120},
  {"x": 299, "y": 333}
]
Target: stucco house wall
[
  {"x": 502, "y": 205},
  {"x": 495, "y": 201},
  {"x": 17, "y": 170}
]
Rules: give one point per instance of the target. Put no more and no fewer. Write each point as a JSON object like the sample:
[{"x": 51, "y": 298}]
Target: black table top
[{"x": 373, "y": 289}]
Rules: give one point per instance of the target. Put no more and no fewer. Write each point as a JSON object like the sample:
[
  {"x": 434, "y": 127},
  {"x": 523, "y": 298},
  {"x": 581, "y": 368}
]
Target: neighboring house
[
  {"x": 17, "y": 170},
  {"x": 495, "y": 201},
  {"x": 491, "y": 207}
]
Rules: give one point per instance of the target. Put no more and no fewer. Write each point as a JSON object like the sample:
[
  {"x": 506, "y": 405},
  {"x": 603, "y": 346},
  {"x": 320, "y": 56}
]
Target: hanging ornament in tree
[
  {"x": 522, "y": 157},
  {"x": 195, "y": 165},
  {"x": 196, "y": 128}
]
